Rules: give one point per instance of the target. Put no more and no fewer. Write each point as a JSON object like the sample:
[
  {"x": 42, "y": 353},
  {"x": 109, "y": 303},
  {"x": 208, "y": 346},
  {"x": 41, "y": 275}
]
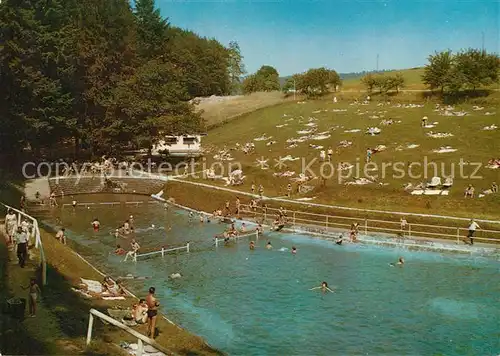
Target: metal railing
[
  {"x": 164, "y": 250},
  {"x": 237, "y": 237},
  {"x": 36, "y": 234},
  {"x": 112, "y": 203},
  {"x": 141, "y": 339},
  {"x": 325, "y": 222}
]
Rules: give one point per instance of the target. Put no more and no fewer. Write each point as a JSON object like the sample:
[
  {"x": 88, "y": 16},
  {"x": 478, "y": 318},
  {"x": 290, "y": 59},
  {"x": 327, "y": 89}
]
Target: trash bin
[{"x": 16, "y": 307}]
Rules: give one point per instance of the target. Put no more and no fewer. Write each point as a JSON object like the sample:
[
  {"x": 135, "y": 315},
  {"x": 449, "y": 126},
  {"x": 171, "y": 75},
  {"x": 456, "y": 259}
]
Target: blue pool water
[{"x": 259, "y": 303}]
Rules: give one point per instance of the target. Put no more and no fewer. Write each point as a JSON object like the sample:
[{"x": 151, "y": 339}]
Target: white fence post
[
  {"x": 216, "y": 241},
  {"x": 256, "y": 234},
  {"x": 409, "y": 230},
  {"x": 89, "y": 330},
  {"x": 326, "y": 222},
  {"x": 140, "y": 347},
  {"x": 366, "y": 226},
  {"x": 458, "y": 235},
  {"x": 187, "y": 247},
  {"x": 162, "y": 252}
]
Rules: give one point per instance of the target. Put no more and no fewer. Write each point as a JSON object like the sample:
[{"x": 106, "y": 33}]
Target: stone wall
[{"x": 91, "y": 185}]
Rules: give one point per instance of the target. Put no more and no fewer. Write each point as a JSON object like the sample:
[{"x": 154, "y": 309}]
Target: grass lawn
[{"x": 473, "y": 144}]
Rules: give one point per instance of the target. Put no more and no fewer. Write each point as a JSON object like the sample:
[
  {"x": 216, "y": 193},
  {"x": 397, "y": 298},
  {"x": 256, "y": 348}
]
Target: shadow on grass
[
  {"x": 72, "y": 314},
  {"x": 478, "y": 96},
  {"x": 14, "y": 338}
]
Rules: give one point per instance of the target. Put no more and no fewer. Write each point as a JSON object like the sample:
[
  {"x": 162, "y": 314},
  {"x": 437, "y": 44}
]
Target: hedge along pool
[{"x": 259, "y": 303}]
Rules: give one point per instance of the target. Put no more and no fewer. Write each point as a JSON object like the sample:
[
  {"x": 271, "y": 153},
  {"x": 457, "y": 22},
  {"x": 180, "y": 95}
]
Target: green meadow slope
[{"x": 472, "y": 143}]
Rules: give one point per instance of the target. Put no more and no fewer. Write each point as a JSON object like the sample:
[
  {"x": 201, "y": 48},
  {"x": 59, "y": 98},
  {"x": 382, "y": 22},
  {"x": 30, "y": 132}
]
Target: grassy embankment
[
  {"x": 61, "y": 324},
  {"x": 219, "y": 110},
  {"x": 473, "y": 144}
]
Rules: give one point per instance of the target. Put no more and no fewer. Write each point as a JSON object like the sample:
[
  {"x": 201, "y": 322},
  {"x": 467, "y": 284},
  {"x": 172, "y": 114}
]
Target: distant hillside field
[{"x": 413, "y": 80}]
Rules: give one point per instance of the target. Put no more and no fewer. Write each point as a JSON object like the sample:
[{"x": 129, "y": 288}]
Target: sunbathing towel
[
  {"x": 93, "y": 286},
  {"x": 83, "y": 293}
]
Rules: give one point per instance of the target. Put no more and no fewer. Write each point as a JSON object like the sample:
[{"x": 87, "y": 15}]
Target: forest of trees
[{"x": 100, "y": 75}]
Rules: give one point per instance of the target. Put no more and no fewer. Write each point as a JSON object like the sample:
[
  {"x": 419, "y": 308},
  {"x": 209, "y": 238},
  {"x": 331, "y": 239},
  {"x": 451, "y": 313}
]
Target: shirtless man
[{"x": 153, "y": 305}]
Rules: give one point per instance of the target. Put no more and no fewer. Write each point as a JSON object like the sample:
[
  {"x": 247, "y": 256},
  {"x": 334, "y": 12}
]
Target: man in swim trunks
[{"x": 153, "y": 305}]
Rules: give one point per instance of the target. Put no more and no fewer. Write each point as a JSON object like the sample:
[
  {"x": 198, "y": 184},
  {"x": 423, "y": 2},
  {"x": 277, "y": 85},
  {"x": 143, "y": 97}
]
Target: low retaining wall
[{"x": 93, "y": 185}]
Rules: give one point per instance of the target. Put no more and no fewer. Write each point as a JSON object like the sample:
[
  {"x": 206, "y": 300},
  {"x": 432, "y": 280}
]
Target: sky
[{"x": 296, "y": 35}]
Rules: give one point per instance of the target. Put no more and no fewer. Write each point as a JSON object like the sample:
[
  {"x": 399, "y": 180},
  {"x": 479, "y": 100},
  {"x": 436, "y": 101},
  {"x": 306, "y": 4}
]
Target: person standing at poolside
[
  {"x": 404, "y": 225},
  {"x": 472, "y": 229},
  {"x": 21, "y": 239},
  {"x": 261, "y": 191},
  {"x": 354, "y": 232},
  {"x": 34, "y": 293},
  {"x": 153, "y": 305}
]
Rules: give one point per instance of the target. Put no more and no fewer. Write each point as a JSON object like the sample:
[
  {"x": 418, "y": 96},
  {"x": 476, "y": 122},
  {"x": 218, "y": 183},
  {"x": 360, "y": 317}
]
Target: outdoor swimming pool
[{"x": 259, "y": 303}]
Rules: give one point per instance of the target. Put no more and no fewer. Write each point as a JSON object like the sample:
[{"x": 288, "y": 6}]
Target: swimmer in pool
[
  {"x": 401, "y": 262},
  {"x": 294, "y": 250},
  {"x": 340, "y": 239},
  {"x": 323, "y": 287},
  {"x": 269, "y": 246},
  {"x": 119, "y": 251},
  {"x": 252, "y": 245},
  {"x": 96, "y": 224}
]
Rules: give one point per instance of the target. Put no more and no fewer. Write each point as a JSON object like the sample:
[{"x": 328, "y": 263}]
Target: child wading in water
[{"x": 33, "y": 296}]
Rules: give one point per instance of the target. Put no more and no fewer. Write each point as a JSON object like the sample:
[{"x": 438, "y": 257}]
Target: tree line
[
  {"x": 383, "y": 82},
  {"x": 468, "y": 69},
  {"x": 100, "y": 75},
  {"x": 446, "y": 71},
  {"x": 314, "y": 82}
]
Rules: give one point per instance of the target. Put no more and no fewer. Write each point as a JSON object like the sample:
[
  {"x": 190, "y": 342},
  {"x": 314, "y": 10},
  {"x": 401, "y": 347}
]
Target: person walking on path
[
  {"x": 21, "y": 239},
  {"x": 153, "y": 305}
]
